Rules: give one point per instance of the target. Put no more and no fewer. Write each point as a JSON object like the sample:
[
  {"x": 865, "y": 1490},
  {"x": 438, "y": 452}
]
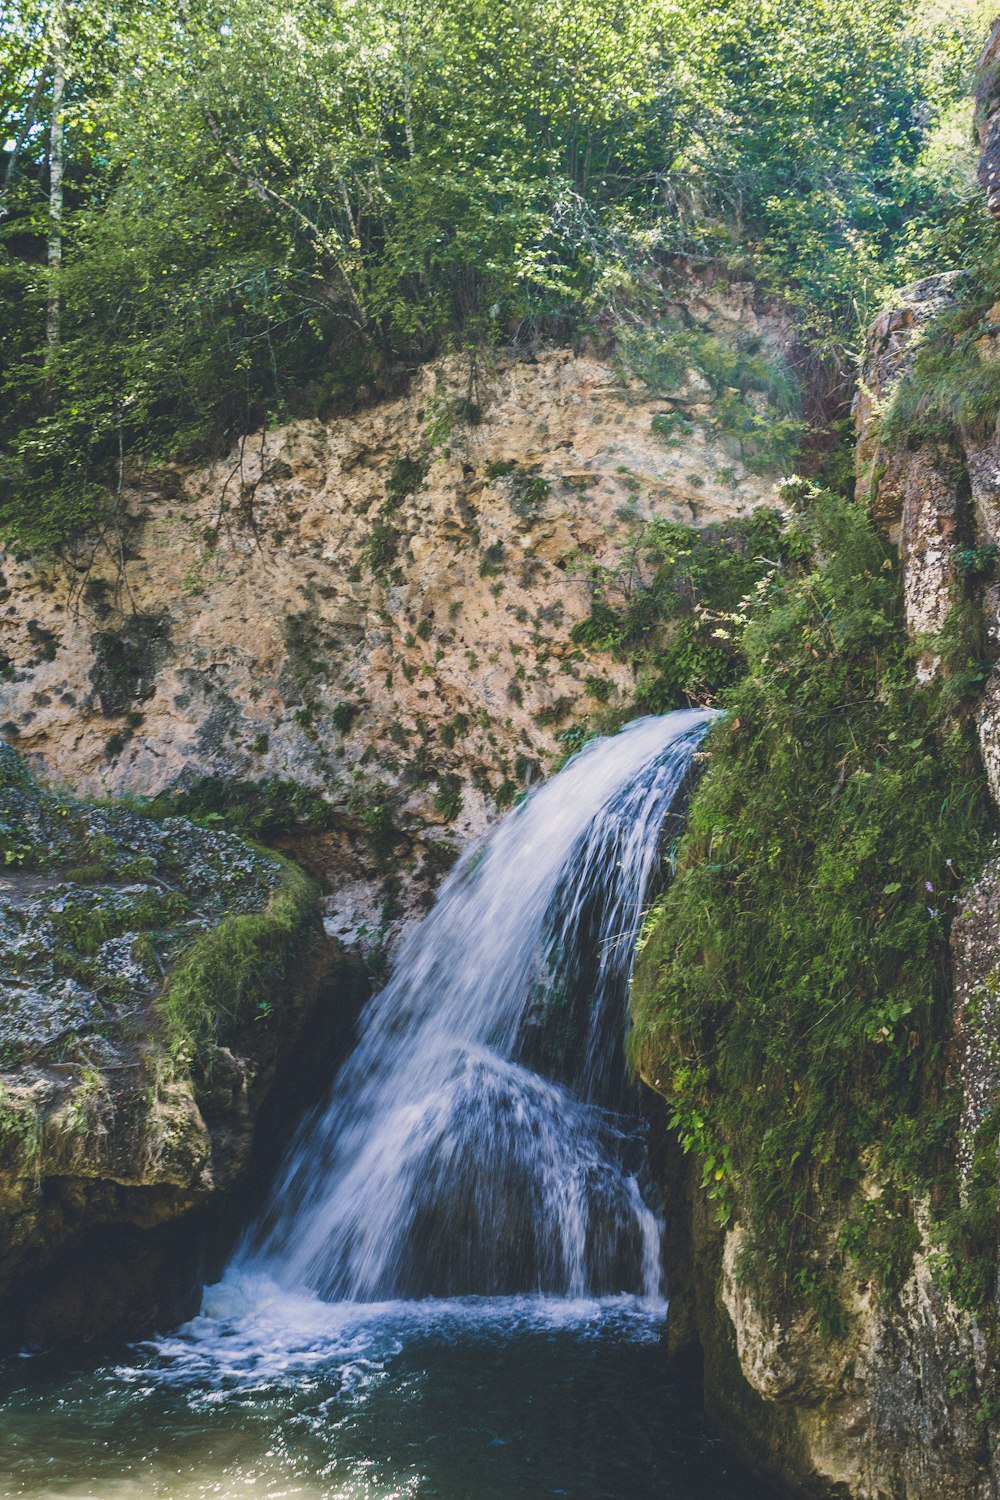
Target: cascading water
[
  {"x": 442, "y": 1165},
  {"x": 476, "y": 1156}
]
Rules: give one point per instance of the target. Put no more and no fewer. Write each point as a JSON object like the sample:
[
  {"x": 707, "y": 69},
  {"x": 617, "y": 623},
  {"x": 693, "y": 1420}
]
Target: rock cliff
[
  {"x": 353, "y": 637},
  {"x": 897, "y": 1397},
  {"x": 156, "y": 977},
  {"x": 377, "y": 607}
]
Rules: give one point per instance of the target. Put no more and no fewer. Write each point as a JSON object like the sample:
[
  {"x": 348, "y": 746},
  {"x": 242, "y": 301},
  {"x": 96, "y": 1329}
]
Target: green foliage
[
  {"x": 272, "y": 208},
  {"x": 405, "y": 478},
  {"x": 380, "y": 832},
  {"x": 21, "y": 1130},
  {"x": 839, "y": 182},
  {"x": 343, "y": 717},
  {"x": 228, "y": 976},
  {"x": 256, "y": 809},
  {"x": 674, "y": 605},
  {"x": 381, "y": 548},
  {"x": 970, "y": 1230},
  {"x": 491, "y": 562},
  {"x": 792, "y": 996},
  {"x": 527, "y": 491},
  {"x": 756, "y": 399},
  {"x": 952, "y": 389},
  {"x": 84, "y": 924},
  {"x": 448, "y": 801}
]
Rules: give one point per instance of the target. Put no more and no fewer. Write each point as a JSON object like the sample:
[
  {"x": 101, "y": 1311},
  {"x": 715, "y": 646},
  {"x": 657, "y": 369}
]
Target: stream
[{"x": 455, "y": 1288}]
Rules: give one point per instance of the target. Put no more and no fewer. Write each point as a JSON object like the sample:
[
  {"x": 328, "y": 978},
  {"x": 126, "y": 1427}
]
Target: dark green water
[{"x": 274, "y": 1395}]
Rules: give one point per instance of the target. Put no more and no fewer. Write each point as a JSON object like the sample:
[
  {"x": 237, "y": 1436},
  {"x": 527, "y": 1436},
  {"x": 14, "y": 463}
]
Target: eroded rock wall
[
  {"x": 131, "y": 1106},
  {"x": 378, "y": 606}
]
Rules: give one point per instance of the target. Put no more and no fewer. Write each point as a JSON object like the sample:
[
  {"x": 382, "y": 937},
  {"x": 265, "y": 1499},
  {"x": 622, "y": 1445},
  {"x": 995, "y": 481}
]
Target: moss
[
  {"x": 257, "y": 809},
  {"x": 952, "y": 389},
  {"x": 85, "y": 925},
  {"x": 792, "y": 999},
  {"x": 227, "y": 976},
  {"x": 756, "y": 399}
]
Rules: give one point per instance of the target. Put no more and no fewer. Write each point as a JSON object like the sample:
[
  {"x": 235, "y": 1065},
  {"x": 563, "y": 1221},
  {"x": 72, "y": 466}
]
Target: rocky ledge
[{"x": 156, "y": 982}]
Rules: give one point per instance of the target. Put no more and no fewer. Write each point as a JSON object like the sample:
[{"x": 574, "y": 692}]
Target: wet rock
[{"x": 120, "y": 1113}]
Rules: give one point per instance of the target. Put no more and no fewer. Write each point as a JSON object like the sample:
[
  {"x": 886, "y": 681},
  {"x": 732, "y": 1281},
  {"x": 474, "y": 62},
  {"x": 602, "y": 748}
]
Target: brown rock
[{"x": 313, "y": 630}]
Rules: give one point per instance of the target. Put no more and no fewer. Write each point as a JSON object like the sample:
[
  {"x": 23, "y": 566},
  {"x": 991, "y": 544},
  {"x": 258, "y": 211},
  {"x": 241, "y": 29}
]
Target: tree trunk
[{"x": 56, "y": 153}]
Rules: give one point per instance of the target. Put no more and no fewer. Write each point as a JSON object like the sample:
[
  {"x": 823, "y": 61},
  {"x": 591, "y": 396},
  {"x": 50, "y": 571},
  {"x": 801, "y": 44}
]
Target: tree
[{"x": 234, "y": 209}]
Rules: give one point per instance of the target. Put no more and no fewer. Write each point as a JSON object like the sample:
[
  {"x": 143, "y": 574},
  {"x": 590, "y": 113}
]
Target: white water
[
  {"x": 442, "y": 1165},
  {"x": 455, "y": 1289}
]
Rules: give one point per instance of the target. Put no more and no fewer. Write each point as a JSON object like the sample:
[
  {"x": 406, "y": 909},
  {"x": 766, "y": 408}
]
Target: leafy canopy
[{"x": 270, "y": 204}]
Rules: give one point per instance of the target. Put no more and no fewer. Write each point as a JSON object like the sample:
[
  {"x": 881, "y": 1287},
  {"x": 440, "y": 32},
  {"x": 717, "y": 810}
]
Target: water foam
[{"x": 443, "y": 1165}]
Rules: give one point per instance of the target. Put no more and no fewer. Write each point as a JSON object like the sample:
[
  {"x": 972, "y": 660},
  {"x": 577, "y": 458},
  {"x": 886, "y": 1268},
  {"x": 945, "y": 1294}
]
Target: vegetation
[
  {"x": 255, "y": 809},
  {"x": 672, "y": 605},
  {"x": 154, "y": 918},
  {"x": 952, "y": 390},
  {"x": 217, "y": 216},
  {"x": 756, "y": 399},
  {"x": 228, "y": 976},
  {"x": 221, "y": 215},
  {"x": 792, "y": 998}
]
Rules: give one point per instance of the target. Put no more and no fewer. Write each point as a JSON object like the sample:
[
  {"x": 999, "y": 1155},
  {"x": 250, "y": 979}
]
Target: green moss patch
[
  {"x": 118, "y": 928},
  {"x": 756, "y": 399},
  {"x": 670, "y": 605},
  {"x": 952, "y": 390},
  {"x": 227, "y": 977},
  {"x": 792, "y": 999}
]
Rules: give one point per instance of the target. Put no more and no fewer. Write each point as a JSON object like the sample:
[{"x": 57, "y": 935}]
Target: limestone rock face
[
  {"x": 889, "y": 1406},
  {"x": 975, "y": 942},
  {"x": 875, "y": 1410},
  {"x": 377, "y": 606},
  {"x": 916, "y": 494},
  {"x": 934, "y": 500}
]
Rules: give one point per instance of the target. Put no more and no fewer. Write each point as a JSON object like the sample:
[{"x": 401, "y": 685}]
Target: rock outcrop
[
  {"x": 377, "y": 606},
  {"x": 988, "y": 119},
  {"x": 357, "y": 632},
  {"x": 898, "y": 1401},
  {"x": 155, "y": 978},
  {"x": 917, "y": 494}
]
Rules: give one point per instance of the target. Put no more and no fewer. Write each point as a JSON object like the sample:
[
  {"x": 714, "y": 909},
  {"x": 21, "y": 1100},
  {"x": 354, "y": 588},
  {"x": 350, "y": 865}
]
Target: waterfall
[{"x": 444, "y": 1163}]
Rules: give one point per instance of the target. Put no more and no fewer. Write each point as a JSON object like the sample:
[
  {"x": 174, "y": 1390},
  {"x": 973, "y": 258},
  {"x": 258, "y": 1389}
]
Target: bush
[{"x": 671, "y": 606}]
